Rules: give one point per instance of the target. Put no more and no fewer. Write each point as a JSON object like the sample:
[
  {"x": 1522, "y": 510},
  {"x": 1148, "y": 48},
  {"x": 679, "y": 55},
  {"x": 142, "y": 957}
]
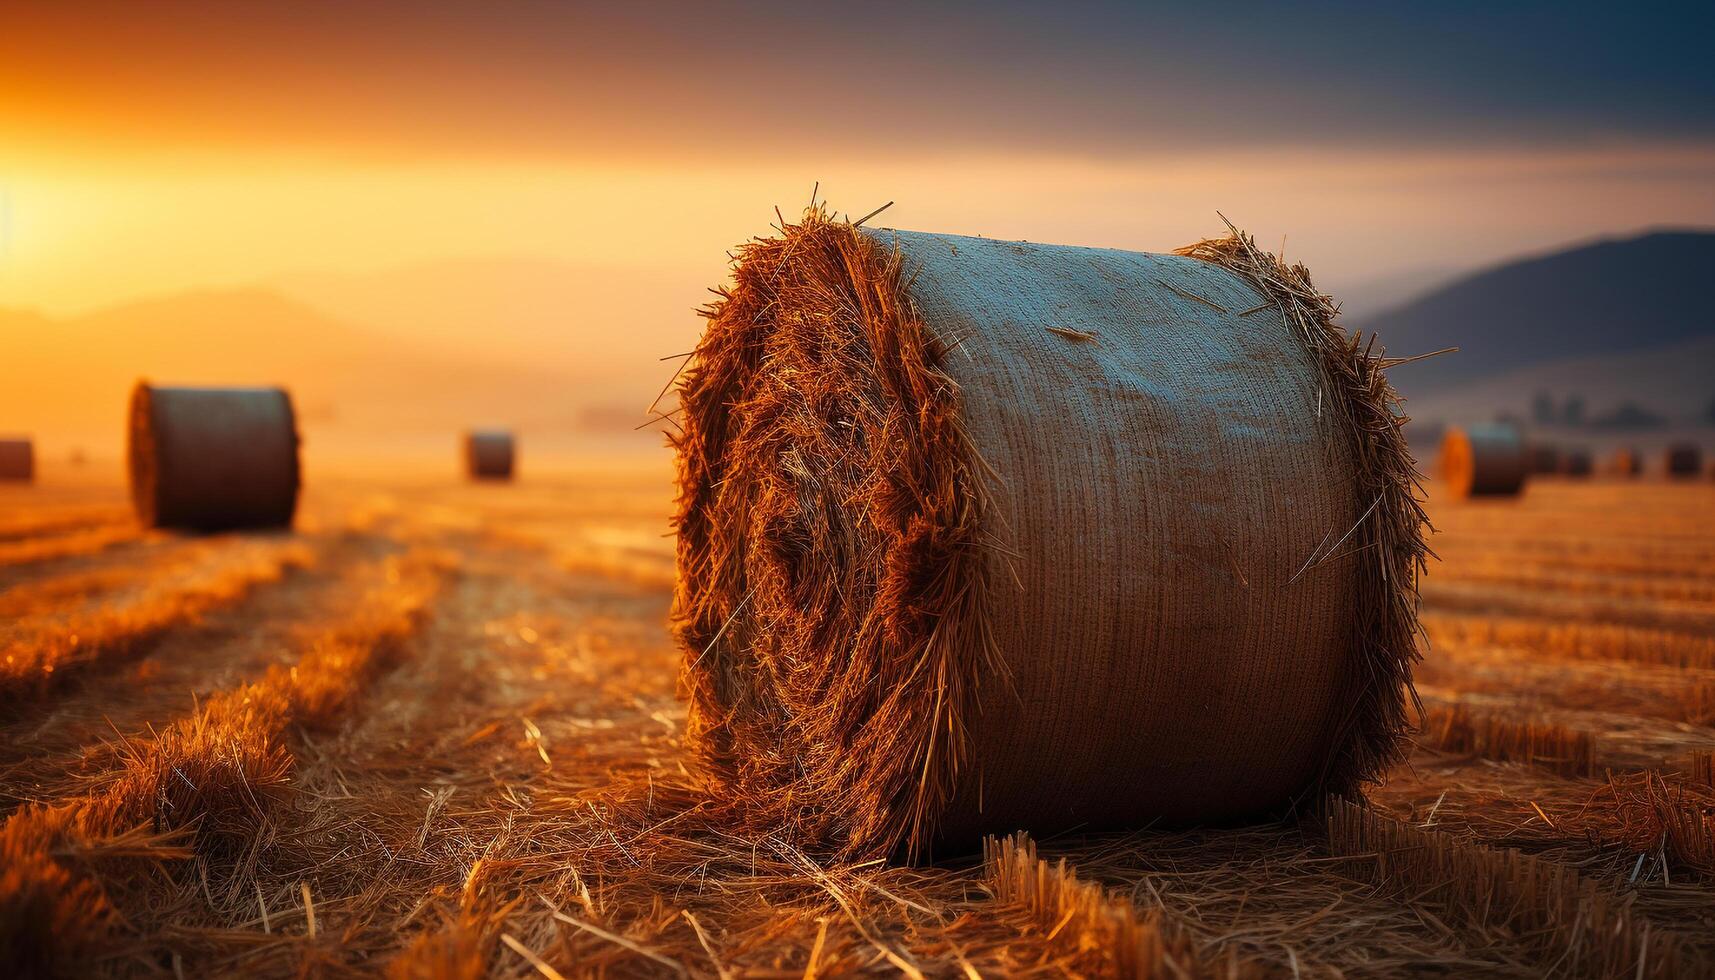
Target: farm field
[{"x": 435, "y": 732}]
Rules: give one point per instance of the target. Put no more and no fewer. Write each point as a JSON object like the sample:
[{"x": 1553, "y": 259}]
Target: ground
[{"x": 434, "y": 731}]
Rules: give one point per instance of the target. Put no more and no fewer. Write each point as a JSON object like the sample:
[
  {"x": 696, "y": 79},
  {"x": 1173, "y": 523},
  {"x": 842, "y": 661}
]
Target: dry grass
[
  {"x": 1089, "y": 931},
  {"x": 1573, "y": 925},
  {"x": 205, "y": 785},
  {"x": 1695, "y": 618},
  {"x": 512, "y": 774},
  {"x": 38, "y": 652},
  {"x": 1690, "y": 588},
  {"x": 73, "y": 544},
  {"x": 1460, "y": 729},
  {"x": 1582, "y": 641}
]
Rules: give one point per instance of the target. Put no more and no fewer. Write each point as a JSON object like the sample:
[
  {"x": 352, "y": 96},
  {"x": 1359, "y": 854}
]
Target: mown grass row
[
  {"x": 1576, "y": 582},
  {"x": 40, "y": 652},
  {"x": 1666, "y": 816},
  {"x": 1570, "y": 923},
  {"x": 75, "y": 544},
  {"x": 1574, "y": 640},
  {"x": 204, "y": 786}
]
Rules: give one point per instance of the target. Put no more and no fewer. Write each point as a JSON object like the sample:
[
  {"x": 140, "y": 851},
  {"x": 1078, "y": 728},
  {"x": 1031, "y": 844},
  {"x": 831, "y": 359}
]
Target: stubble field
[{"x": 434, "y": 732}]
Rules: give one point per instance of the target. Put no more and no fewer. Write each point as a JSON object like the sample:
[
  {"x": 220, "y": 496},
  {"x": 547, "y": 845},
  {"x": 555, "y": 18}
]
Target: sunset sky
[{"x": 151, "y": 149}]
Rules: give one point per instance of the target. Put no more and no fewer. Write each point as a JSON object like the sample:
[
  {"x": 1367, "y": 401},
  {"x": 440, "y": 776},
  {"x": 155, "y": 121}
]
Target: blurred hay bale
[
  {"x": 489, "y": 454},
  {"x": 1626, "y": 462},
  {"x": 1684, "y": 460},
  {"x": 1576, "y": 462},
  {"x": 978, "y": 536},
  {"x": 1543, "y": 457},
  {"x": 210, "y": 459},
  {"x": 17, "y": 460},
  {"x": 1484, "y": 461}
]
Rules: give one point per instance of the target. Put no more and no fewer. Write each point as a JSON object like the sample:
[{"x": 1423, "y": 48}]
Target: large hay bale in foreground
[
  {"x": 1684, "y": 460},
  {"x": 489, "y": 454},
  {"x": 1484, "y": 461},
  {"x": 211, "y": 459},
  {"x": 977, "y": 536},
  {"x": 17, "y": 460}
]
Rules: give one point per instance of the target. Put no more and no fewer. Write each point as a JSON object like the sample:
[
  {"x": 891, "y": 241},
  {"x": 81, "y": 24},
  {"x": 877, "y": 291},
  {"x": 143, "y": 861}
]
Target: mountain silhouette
[{"x": 1607, "y": 298}]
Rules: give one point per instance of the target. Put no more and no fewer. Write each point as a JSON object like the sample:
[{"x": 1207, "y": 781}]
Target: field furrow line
[
  {"x": 1465, "y": 597},
  {"x": 51, "y": 747},
  {"x": 1560, "y": 640},
  {"x": 204, "y": 787},
  {"x": 1513, "y": 727},
  {"x": 1569, "y": 582},
  {"x": 47, "y": 520},
  {"x": 1569, "y": 923},
  {"x": 39, "y": 651},
  {"x": 30, "y": 553}
]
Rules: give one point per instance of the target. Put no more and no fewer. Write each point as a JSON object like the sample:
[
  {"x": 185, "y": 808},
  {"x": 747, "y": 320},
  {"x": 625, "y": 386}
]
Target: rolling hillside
[{"x": 1610, "y": 321}]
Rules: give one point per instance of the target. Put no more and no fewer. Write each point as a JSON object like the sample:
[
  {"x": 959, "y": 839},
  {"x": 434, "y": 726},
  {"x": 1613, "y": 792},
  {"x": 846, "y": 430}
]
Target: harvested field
[{"x": 435, "y": 731}]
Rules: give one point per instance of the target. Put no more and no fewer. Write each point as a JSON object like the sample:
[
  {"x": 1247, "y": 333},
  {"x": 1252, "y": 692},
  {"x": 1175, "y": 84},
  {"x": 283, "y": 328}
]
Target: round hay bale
[
  {"x": 212, "y": 459},
  {"x": 488, "y": 454},
  {"x": 1544, "y": 458},
  {"x": 1626, "y": 462},
  {"x": 1684, "y": 460},
  {"x": 17, "y": 460},
  {"x": 1483, "y": 461},
  {"x": 977, "y": 536},
  {"x": 1576, "y": 462}
]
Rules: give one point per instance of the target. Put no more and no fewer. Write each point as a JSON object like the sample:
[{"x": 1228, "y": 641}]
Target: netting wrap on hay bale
[
  {"x": 17, "y": 460},
  {"x": 1484, "y": 461},
  {"x": 977, "y": 536},
  {"x": 488, "y": 454},
  {"x": 210, "y": 459}
]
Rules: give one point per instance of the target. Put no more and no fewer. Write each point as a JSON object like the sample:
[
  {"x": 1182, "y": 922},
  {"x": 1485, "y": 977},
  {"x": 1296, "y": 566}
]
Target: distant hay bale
[
  {"x": 1684, "y": 460},
  {"x": 978, "y": 536},
  {"x": 1626, "y": 462},
  {"x": 211, "y": 459},
  {"x": 17, "y": 460},
  {"x": 1576, "y": 462},
  {"x": 1543, "y": 457},
  {"x": 1483, "y": 461},
  {"x": 489, "y": 454}
]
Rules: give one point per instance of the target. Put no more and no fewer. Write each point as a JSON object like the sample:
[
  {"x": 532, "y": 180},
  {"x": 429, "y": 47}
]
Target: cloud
[{"x": 563, "y": 80}]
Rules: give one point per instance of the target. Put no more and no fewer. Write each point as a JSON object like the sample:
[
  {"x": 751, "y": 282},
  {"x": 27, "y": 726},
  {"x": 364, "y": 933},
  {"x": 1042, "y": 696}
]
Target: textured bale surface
[
  {"x": 489, "y": 455},
  {"x": 978, "y": 536},
  {"x": 212, "y": 459},
  {"x": 17, "y": 460},
  {"x": 1684, "y": 460},
  {"x": 1484, "y": 461}
]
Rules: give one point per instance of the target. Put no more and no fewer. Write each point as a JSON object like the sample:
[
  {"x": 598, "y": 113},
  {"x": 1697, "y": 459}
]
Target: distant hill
[
  {"x": 1676, "y": 381},
  {"x": 520, "y": 310},
  {"x": 67, "y": 380},
  {"x": 1607, "y": 298}
]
